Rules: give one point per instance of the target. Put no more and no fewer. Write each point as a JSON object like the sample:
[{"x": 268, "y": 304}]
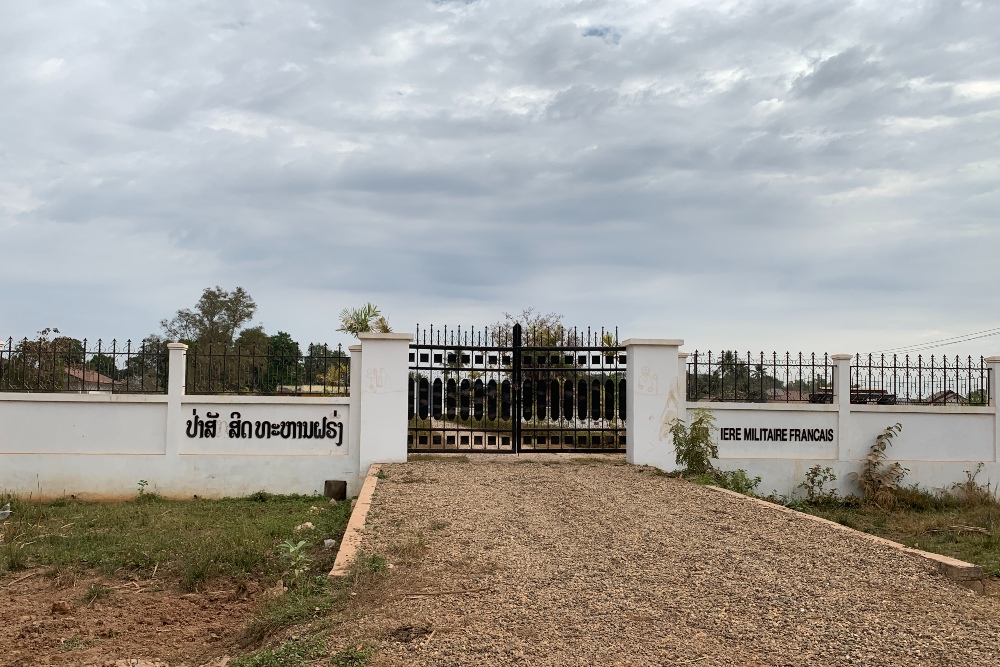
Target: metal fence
[
  {"x": 894, "y": 380},
  {"x": 504, "y": 389},
  {"x": 236, "y": 369},
  {"x": 761, "y": 378},
  {"x": 70, "y": 365}
]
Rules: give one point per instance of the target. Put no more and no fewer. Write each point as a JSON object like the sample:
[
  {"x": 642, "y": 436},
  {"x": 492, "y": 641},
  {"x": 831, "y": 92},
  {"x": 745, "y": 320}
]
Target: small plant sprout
[
  {"x": 296, "y": 559},
  {"x": 142, "y": 486}
]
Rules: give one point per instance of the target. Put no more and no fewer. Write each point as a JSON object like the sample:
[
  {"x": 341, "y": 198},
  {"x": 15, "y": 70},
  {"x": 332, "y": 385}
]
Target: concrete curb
[
  {"x": 349, "y": 546},
  {"x": 966, "y": 574}
]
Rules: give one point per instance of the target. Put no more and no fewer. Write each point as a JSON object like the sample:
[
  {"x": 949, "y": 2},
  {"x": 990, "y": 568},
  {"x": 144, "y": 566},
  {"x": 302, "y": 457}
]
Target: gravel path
[{"x": 544, "y": 562}]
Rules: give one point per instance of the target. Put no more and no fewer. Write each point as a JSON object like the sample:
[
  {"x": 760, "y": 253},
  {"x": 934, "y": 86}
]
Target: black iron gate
[{"x": 508, "y": 390}]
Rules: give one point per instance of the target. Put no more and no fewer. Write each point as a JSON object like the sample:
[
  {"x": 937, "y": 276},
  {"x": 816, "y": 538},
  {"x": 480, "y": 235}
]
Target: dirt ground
[
  {"x": 501, "y": 560},
  {"x": 47, "y": 620}
]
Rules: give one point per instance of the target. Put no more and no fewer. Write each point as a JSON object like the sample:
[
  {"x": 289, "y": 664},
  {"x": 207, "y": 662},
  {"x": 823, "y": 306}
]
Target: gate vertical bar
[{"x": 516, "y": 412}]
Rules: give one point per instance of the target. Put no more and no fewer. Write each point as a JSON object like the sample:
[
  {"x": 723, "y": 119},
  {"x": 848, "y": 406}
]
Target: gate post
[
  {"x": 655, "y": 395},
  {"x": 383, "y": 388}
]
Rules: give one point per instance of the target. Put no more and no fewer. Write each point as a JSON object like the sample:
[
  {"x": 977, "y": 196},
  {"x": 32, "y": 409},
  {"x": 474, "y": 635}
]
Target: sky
[{"x": 817, "y": 176}]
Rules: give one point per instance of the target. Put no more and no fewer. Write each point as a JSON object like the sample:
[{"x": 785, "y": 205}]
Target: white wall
[
  {"x": 99, "y": 446},
  {"x": 937, "y": 444}
]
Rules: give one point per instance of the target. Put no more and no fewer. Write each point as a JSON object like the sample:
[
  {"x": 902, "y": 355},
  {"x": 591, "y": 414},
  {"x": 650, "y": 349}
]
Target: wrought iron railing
[
  {"x": 760, "y": 378},
  {"x": 504, "y": 389},
  {"x": 238, "y": 369},
  {"x": 69, "y": 365},
  {"x": 902, "y": 380}
]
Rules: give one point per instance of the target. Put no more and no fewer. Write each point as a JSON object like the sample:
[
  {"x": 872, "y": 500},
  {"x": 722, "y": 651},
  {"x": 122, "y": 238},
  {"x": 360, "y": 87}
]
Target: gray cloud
[{"x": 811, "y": 175}]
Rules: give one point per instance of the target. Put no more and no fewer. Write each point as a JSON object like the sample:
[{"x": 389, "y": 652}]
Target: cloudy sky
[{"x": 807, "y": 175}]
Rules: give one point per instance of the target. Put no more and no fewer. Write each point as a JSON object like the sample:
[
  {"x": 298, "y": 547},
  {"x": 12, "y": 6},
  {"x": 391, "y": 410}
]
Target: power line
[{"x": 944, "y": 342}]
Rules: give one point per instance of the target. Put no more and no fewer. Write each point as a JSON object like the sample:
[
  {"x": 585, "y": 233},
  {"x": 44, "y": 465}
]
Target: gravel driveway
[{"x": 544, "y": 561}]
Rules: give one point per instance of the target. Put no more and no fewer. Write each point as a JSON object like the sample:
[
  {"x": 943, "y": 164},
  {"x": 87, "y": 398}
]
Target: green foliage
[
  {"x": 96, "y": 591},
  {"x": 352, "y": 656},
  {"x": 374, "y": 563},
  {"x": 815, "y": 485},
  {"x": 363, "y": 319},
  {"x": 215, "y": 319},
  {"x": 296, "y": 559},
  {"x": 292, "y": 653},
  {"x": 73, "y": 642},
  {"x": 736, "y": 480},
  {"x": 693, "y": 446},
  {"x": 298, "y": 605},
  {"x": 880, "y": 481}
]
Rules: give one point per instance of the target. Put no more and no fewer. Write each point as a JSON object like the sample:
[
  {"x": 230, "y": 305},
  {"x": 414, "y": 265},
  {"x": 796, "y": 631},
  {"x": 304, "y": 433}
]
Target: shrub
[
  {"x": 693, "y": 445},
  {"x": 880, "y": 481},
  {"x": 736, "y": 480},
  {"x": 815, "y": 485}
]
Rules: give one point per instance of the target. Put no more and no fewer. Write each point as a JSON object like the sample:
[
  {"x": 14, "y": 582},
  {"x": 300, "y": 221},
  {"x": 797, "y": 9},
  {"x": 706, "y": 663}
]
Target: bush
[
  {"x": 693, "y": 445},
  {"x": 879, "y": 481},
  {"x": 736, "y": 480},
  {"x": 815, "y": 486}
]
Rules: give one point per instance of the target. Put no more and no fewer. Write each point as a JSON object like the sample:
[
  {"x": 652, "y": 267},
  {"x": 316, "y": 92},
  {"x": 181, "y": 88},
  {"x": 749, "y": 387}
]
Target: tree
[
  {"x": 545, "y": 330},
  {"x": 284, "y": 367},
  {"x": 365, "y": 318},
  {"x": 216, "y": 318}
]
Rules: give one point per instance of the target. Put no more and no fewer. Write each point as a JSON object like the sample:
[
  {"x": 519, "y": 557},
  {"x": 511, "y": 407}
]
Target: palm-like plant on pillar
[{"x": 363, "y": 319}]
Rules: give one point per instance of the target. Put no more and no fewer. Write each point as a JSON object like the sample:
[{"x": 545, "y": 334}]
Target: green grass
[
  {"x": 292, "y": 653},
  {"x": 191, "y": 541},
  {"x": 927, "y": 528}
]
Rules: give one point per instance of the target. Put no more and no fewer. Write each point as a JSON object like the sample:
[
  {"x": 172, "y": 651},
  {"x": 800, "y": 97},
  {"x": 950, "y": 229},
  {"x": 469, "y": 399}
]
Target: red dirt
[{"x": 149, "y": 621}]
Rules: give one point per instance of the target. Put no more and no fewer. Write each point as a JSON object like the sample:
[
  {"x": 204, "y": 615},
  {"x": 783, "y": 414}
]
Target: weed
[
  {"x": 693, "y": 445},
  {"x": 815, "y": 485},
  {"x": 382, "y": 474},
  {"x": 95, "y": 592},
  {"x": 292, "y": 653},
  {"x": 142, "y": 486},
  {"x": 352, "y": 656},
  {"x": 374, "y": 563},
  {"x": 879, "y": 481},
  {"x": 295, "y": 557},
  {"x": 972, "y": 492},
  {"x": 260, "y": 496},
  {"x": 736, "y": 480},
  {"x": 439, "y": 525},
  {"x": 300, "y": 604},
  {"x": 76, "y": 641}
]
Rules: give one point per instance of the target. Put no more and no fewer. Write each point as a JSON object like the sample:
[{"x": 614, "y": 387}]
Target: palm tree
[{"x": 366, "y": 318}]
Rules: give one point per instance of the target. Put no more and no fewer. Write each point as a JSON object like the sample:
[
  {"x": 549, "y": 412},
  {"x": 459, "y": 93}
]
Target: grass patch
[
  {"x": 191, "y": 541},
  {"x": 292, "y": 653},
  {"x": 937, "y": 524},
  {"x": 352, "y": 656},
  {"x": 95, "y": 592},
  {"x": 296, "y": 606}
]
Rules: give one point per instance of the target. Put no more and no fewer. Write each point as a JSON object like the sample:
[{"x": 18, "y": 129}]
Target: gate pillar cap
[
  {"x": 673, "y": 342},
  {"x": 369, "y": 335}
]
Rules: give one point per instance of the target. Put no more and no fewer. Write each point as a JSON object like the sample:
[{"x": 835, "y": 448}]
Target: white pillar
[
  {"x": 354, "y": 424},
  {"x": 382, "y": 385},
  {"x": 654, "y": 397},
  {"x": 994, "y": 378},
  {"x": 176, "y": 383},
  {"x": 842, "y": 399}
]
